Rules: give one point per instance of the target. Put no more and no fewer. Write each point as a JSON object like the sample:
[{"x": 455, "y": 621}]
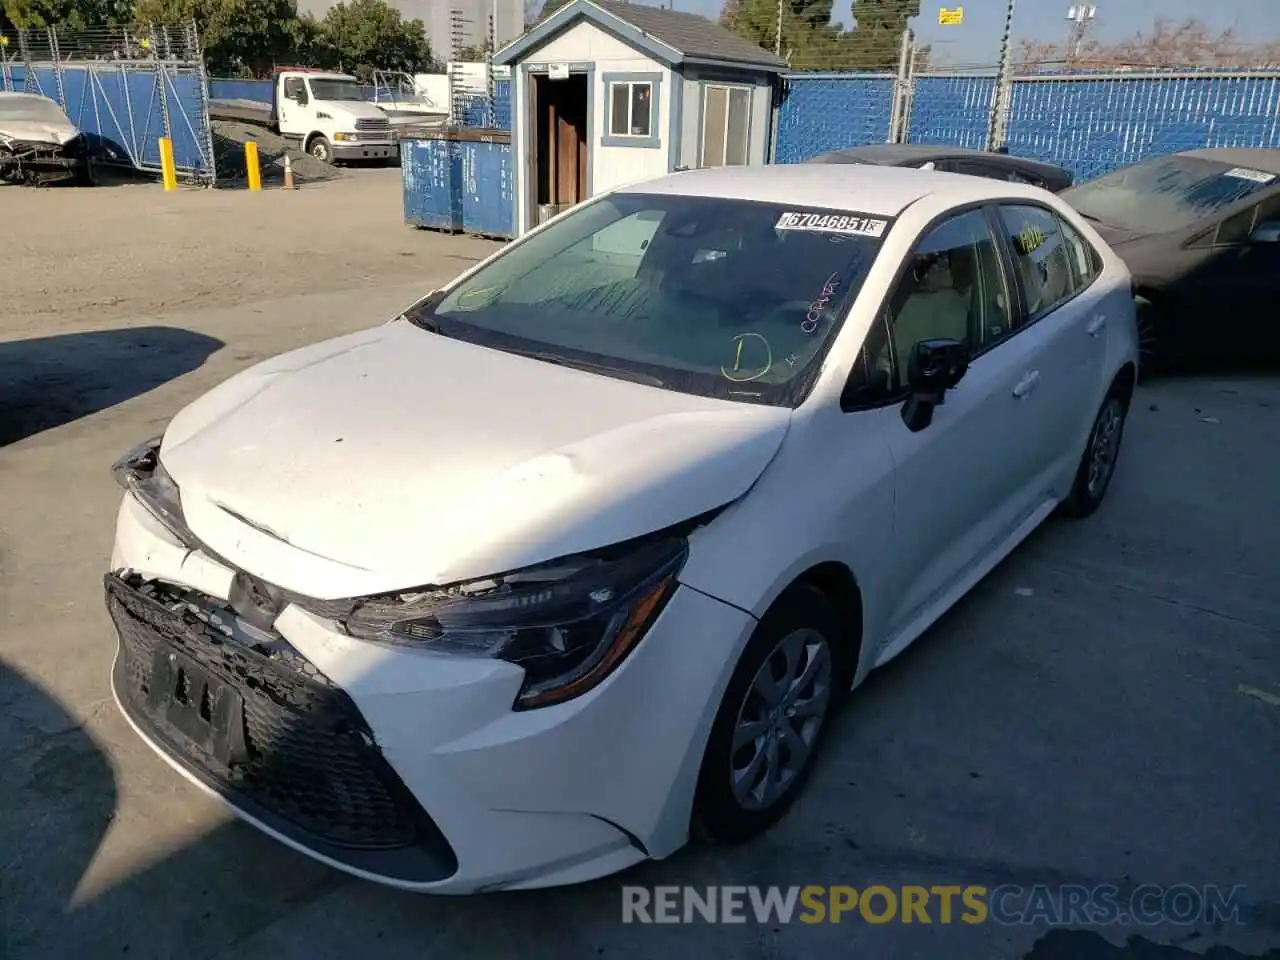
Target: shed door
[{"x": 726, "y": 125}]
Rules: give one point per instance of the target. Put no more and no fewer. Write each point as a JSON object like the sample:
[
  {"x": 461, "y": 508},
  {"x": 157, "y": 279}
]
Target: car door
[
  {"x": 1238, "y": 285},
  {"x": 1065, "y": 317},
  {"x": 961, "y": 484}
]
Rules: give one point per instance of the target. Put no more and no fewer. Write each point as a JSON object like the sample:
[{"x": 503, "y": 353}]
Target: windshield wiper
[{"x": 560, "y": 360}]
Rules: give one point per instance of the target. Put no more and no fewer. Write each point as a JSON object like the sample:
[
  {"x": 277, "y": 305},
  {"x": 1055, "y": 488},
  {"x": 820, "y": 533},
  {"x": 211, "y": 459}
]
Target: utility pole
[{"x": 777, "y": 39}]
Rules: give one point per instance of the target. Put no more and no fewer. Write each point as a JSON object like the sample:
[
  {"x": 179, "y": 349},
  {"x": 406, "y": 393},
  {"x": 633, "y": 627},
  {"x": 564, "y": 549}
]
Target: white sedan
[{"x": 580, "y": 553}]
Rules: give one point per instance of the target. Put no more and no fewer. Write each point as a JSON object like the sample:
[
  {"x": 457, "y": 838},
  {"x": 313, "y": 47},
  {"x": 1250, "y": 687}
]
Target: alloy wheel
[
  {"x": 780, "y": 718},
  {"x": 1104, "y": 445}
]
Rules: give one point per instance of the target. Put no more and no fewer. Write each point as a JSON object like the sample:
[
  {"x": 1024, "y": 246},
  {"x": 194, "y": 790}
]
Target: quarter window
[
  {"x": 631, "y": 108},
  {"x": 1043, "y": 256},
  {"x": 1085, "y": 262}
]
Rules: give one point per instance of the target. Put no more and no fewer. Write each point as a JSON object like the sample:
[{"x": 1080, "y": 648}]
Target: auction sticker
[
  {"x": 849, "y": 224},
  {"x": 1244, "y": 173}
]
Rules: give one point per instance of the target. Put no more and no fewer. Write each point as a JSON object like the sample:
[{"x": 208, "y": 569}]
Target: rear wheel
[
  {"x": 1098, "y": 464},
  {"x": 772, "y": 719}
]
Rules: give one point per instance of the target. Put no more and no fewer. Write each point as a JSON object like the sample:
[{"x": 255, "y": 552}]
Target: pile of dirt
[{"x": 229, "y": 138}]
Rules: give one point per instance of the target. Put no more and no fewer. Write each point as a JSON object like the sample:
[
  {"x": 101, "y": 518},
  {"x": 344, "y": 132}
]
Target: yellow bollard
[
  {"x": 251, "y": 165},
  {"x": 167, "y": 169}
]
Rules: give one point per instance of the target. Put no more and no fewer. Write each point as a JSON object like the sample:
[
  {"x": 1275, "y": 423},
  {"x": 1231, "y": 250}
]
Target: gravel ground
[
  {"x": 76, "y": 258},
  {"x": 229, "y": 138}
]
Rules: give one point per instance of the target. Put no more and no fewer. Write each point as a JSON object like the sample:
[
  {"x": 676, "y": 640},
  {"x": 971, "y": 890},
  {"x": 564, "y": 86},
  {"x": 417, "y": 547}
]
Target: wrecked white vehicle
[{"x": 39, "y": 144}]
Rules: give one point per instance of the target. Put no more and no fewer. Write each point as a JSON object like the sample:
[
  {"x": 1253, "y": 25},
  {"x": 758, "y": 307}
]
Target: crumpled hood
[
  {"x": 38, "y": 131},
  {"x": 396, "y": 458}
]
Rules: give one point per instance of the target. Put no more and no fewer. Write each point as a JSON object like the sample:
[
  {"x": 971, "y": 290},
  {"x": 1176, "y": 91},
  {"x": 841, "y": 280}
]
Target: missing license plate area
[{"x": 206, "y": 710}]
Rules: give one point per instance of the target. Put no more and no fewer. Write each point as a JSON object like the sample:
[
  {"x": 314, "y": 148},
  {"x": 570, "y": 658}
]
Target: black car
[
  {"x": 1200, "y": 232},
  {"x": 978, "y": 163}
]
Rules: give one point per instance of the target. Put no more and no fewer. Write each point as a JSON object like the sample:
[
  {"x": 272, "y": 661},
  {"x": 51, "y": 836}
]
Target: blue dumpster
[
  {"x": 488, "y": 183},
  {"x": 430, "y": 167},
  {"x": 459, "y": 179}
]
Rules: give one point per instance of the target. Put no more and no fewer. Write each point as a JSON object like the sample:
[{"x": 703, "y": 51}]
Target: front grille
[
  {"x": 302, "y": 752},
  {"x": 376, "y": 123}
]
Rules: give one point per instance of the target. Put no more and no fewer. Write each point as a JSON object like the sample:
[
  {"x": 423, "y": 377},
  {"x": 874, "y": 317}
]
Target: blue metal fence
[
  {"x": 951, "y": 109},
  {"x": 1094, "y": 124},
  {"x": 1089, "y": 123},
  {"x": 827, "y": 111},
  {"x": 129, "y": 106}
]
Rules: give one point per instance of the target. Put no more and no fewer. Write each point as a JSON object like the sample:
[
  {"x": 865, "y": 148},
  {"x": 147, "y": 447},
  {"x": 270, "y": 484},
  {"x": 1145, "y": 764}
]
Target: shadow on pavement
[
  {"x": 48, "y": 381},
  {"x": 57, "y": 798}
]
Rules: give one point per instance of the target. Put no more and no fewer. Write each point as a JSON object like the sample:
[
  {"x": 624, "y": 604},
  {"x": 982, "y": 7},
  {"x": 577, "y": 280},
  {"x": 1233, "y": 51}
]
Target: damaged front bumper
[{"x": 38, "y": 162}]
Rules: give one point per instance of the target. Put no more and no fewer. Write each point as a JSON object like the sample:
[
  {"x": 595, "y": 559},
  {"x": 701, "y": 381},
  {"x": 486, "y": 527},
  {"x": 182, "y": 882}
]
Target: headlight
[
  {"x": 341, "y": 137},
  {"x": 140, "y": 472},
  {"x": 568, "y": 623}
]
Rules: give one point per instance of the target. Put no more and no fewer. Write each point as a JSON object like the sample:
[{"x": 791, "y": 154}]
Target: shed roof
[{"x": 669, "y": 36}]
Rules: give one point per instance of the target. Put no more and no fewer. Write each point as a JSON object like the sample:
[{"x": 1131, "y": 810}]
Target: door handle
[
  {"x": 1026, "y": 384},
  {"x": 1096, "y": 325}
]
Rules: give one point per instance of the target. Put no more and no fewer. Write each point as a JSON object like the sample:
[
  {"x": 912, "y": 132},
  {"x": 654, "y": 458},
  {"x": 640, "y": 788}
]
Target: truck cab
[{"x": 328, "y": 115}]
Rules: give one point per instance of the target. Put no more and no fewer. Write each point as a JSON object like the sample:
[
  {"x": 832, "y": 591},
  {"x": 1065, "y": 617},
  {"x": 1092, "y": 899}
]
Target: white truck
[{"x": 328, "y": 115}]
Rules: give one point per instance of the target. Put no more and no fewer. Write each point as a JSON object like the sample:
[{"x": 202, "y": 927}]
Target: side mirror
[
  {"x": 1268, "y": 232},
  {"x": 934, "y": 367}
]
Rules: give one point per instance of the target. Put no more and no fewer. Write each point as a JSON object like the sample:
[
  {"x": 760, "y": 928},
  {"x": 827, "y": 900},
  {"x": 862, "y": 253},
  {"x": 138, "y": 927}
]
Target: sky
[{"x": 977, "y": 40}]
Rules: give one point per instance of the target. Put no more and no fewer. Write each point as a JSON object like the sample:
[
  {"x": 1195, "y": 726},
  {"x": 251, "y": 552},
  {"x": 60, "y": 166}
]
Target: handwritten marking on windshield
[
  {"x": 735, "y": 374},
  {"x": 811, "y": 319}
]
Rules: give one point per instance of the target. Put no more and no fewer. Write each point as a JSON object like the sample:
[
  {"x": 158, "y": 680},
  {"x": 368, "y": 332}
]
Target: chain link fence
[{"x": 124, "y": 87}]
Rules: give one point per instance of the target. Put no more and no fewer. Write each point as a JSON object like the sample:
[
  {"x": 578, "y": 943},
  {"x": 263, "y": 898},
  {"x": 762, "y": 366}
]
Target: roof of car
[
  {"x": 879, "y": 191},
  {"x": 888, "y": 154},
  {"x": 1268, "y": 161}
]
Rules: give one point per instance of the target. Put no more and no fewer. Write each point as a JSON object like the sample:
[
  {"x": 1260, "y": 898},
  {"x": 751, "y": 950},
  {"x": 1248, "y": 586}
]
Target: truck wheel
[{"x": 321, "y": 150}]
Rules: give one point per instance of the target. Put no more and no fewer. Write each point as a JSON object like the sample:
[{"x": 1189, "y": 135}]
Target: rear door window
[{"x": 1047, "y": 264}]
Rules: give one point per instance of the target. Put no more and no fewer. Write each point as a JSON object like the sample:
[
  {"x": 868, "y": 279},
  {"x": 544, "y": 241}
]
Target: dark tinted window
[
  {"x": 720, "y": 297},
  {"x": 1166, "y": 194}
]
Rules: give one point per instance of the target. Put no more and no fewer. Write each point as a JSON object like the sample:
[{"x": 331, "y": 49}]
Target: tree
[
  {"x": 476, "y": 54},
  {"x": 369, "y": 34},
  {"x": 1169, "y": 44},
  {"x": 238, "y": 36},
  {"x": 811, "y": 42},
  {"x": 550, "y": 7},
  {"x": 63, "y": 13}
]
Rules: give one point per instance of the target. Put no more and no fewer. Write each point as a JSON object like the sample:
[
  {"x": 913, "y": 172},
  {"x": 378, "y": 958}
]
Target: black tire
[
  {"x": 719, "y": 815},
  {"x": 321, "y": 149},
  {"x": 1089, "y": 488}
]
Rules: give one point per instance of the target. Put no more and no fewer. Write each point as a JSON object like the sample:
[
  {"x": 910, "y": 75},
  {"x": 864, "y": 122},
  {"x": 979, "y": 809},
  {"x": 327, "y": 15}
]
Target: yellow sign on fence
[{"x": 951, "y": 16}]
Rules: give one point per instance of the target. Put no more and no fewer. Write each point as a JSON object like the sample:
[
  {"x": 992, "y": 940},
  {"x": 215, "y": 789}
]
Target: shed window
[
  {"x": 726, "y": 120},
  {"x": 630, "y": 108}
]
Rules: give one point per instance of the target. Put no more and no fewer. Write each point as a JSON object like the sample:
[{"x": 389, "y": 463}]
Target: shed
[{"x": 607, "y": 92}]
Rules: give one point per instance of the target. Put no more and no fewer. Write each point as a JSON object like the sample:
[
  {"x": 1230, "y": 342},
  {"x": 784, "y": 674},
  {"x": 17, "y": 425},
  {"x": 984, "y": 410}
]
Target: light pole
[{"x": 1079, "y": 17}]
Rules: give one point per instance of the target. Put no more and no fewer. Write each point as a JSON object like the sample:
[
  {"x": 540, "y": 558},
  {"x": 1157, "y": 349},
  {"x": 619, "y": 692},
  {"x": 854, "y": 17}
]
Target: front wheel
[
  {"x": 321, "y": 150},
  {"x": 772, "y": 719},
  {"x": 1098, "y": 464}
]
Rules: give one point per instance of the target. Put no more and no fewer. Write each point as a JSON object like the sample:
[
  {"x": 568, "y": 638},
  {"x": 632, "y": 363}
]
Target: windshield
[
  {"x": 723, "y": 298},
  {"x": 27, "y": 108},
  {"x": 336, "y": 90},
  {"x": 1165, "y": 194}
]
